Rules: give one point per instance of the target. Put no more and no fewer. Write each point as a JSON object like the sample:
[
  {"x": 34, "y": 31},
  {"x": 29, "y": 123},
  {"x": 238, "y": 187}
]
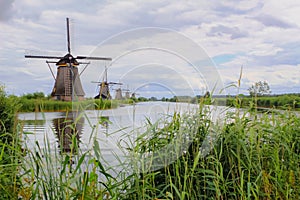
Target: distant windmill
[
  {"x": 118, "y": 95},
  {"x": 104, "y": 92},
  {"x": 127, "y": 93},
  {"x": 133, "y": 95},
  {"x": 67, "y": 86}
]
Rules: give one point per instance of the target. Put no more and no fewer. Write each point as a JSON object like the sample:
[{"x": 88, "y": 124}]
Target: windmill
[
  {"x": 133, "y": 95},
  {"x": 67, "y": 86},
  {"x": 127, "y": 93},
  {"x": 118, "y": 95},
  {"x": 104, "y": 92}
]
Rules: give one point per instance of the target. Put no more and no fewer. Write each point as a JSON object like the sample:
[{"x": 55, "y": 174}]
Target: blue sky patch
[{"x": 224, "y": 58}]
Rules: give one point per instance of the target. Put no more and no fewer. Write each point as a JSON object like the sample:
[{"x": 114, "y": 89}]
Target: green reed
[
  {"x": 247, "y": 155},
  {"x": 43, "y": 105},
  {"x": 51, "y": 172},
  {"x": 10, "y": 148},
  {"x": 254, "y": 156}
]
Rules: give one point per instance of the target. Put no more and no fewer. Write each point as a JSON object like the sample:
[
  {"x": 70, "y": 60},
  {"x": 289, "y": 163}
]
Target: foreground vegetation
[
  {"x": 247, "y": 155},
  {"x": 10, "y": 148},
  {"x": 251, "y": 158}
]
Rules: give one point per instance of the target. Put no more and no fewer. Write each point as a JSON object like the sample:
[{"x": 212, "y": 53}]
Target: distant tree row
[{"x": 35, "y": 95}]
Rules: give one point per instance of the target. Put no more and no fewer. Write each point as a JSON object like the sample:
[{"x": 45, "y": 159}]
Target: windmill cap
[{"x": 68, "y": 58}]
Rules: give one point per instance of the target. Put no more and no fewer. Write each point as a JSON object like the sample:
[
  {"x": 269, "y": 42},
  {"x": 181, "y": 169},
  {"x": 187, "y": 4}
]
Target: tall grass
[
  {"x": 248, "y": 155},
  {"x": 10, "y": 148},
  {"x": 253, "y": 157},
  {"x": 49, "y": 172}
]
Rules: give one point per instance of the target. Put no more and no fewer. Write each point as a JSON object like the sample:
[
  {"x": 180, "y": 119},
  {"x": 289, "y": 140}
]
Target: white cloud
[
  {"x": 264, "y": 49},
  {"x": 262, "y": 36}
]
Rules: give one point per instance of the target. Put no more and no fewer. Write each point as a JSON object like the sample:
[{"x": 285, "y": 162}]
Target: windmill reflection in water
[{"x": 69, "y": 129}]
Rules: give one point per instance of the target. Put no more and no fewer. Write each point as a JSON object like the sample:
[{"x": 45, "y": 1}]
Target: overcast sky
[{"x": 159, "y": 48}]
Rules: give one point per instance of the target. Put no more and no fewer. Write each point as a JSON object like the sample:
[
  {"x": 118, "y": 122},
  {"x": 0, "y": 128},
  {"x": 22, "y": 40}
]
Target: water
[{"x": 112, "y": 128}]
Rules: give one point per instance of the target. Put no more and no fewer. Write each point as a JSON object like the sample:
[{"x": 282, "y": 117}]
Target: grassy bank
[
  {"x": 43, "y": 105},
  {"x": 248, "y": 155},
  {"x": 283, "y": 102}
]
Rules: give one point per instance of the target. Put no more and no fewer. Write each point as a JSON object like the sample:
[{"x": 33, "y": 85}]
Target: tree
[
  {"x": 153, "y": 99},
  {"x": 259, "y": 88}
]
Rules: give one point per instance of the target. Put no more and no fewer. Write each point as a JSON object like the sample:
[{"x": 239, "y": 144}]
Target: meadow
[{"x": 250, "y": 155}]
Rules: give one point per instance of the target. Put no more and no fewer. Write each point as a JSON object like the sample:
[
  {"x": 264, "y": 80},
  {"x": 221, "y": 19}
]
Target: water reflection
[{"x": 68, "y": 129}]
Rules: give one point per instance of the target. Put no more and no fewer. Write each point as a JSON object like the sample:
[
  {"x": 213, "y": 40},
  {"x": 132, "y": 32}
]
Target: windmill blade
[
  {"x": 100, "y": 82},
  {"x": 93, "y": 58},
  {"x": 84, "y": 63},
  {"x": 78, "y": 62},
  {"x": 114, "y": 83},
  {"x": 44, "y": 57},
  {"x": 68, "y": 36}
]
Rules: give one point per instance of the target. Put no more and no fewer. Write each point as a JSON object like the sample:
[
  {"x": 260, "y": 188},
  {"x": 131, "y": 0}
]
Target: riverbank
[
  {"x": 45, "y": 105},
  {"x": 281, "y": 102}
]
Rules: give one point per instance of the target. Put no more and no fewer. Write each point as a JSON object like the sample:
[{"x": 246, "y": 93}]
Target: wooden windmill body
[
  {"x": 67, "y": 86},
  {"x": 119, "y": 95},
  {"x": 127, "y": 94}
]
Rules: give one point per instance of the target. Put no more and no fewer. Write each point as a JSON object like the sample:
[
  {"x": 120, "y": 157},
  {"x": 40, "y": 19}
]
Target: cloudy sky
[{"x": 159, "y": 48}]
